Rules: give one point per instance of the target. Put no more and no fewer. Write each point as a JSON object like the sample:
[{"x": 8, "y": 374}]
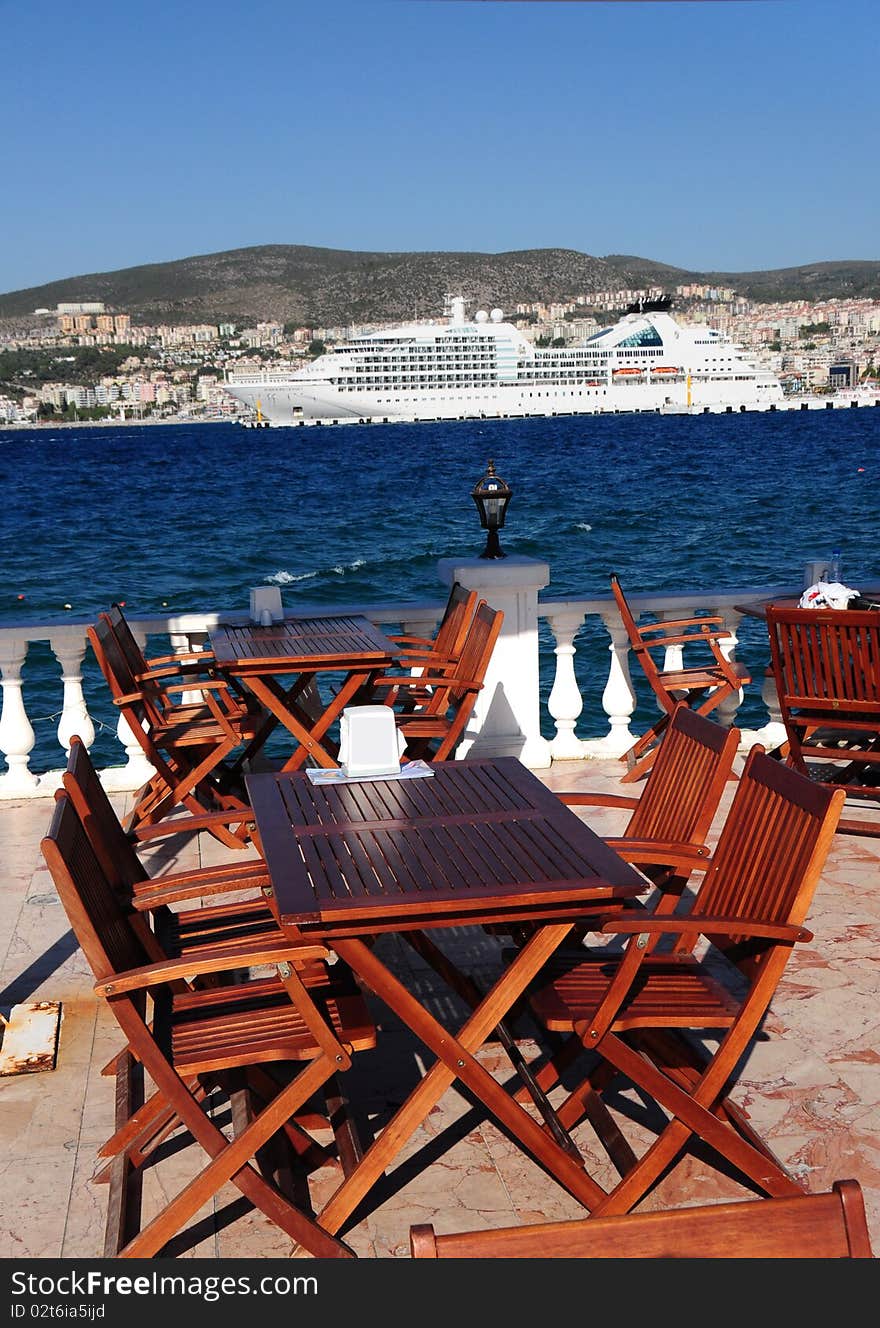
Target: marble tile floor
[{"x": 812, "y": 1088}]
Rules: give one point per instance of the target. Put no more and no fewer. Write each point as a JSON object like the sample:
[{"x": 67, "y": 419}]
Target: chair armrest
[
  {"x": 684, "y": 639},
  {"x": 183, "y": 668},
  {"x": 183, "y": 825},
  {"x": 216, "y": 959},
  {"x": 200, "y": 685},
  {"x": 675, "y": 624},
  {"x": 706, "y": 925},
  {"x": 403, "y": 640},
  {"x": 185, "y": 657},
  {"x": 174, "y": 887},
  {"x": 596, "y": 799},
  {"x": 660, "y": 853},
  {"x": 128, "y": 698},
  {"x": 449, "y": 681}
]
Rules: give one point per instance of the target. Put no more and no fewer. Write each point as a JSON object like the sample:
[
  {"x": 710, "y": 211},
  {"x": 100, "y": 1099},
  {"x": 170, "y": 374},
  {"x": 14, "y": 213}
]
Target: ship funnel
[{"x": 455, "y": 308}]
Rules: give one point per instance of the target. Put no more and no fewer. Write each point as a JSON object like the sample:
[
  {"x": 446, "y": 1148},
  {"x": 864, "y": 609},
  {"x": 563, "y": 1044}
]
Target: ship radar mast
[{"x": 454, "y": 308}]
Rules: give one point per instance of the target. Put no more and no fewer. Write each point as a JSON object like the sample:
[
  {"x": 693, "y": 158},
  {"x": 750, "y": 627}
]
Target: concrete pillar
[{"x": 506, "y": 718}]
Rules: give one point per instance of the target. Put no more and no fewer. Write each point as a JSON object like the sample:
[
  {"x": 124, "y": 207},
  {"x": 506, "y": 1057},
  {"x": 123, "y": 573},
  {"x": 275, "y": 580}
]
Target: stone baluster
[
  {"x": 619, "y": 697},
  {"x": 772, "y": 734},
  {"x": 728, "y": 708},
  {"x": 75, "y": 718},
  {"x": 187, "y": 643},
  {"x": 16, "y": 732},
  {"x": 565, "y": 702}
]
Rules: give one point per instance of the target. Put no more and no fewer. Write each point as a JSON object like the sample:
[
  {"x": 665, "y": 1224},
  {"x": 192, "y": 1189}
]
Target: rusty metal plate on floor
[{"x": 30, "y": 1038}]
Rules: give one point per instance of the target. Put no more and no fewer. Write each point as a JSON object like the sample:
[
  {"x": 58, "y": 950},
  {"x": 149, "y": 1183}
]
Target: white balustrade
[{"x": 507, "y": 717}]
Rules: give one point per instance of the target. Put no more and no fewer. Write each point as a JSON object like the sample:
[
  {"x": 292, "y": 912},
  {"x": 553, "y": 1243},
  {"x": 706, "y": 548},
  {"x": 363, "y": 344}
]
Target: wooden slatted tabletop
[
  {"x": 302, "y": 644},
  {"x": 478, "y": 837}
]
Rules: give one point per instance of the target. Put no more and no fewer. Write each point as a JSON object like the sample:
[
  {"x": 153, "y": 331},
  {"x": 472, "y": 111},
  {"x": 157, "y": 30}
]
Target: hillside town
[{"x": 85, "y": 361}]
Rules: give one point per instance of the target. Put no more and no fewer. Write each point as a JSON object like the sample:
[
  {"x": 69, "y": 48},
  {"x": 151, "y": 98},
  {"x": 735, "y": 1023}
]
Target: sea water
[{"x": 190, "y": 517}]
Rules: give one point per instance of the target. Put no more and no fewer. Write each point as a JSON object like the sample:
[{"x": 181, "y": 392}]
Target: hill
[{"x": 313, "y": 286}]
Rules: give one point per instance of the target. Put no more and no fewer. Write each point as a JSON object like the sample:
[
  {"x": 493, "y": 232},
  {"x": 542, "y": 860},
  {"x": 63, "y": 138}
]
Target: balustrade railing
[{"x": 578, "y": 688}]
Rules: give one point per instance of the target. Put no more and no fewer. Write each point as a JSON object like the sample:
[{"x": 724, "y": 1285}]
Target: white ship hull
[
  {"x": 487, "y": 369},
  {"x": 290, "y": 404}
]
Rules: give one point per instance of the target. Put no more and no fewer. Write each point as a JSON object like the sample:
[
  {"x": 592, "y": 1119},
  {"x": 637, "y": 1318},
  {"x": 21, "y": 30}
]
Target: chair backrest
[
  {"x": 684, "y": 786},
  {"x": 646, "y": 659},
  {"x": 145, "y": 700},
  {"x": 452, "y": 632},
  {"x": 469, "y": 674},
  {"x": 476, "y": 652},
  {"x": 826, "y": 660},
  {"x": 770, "y": 854},
  {"x": 830, "y": 1225},
  {"x": 97, "y": 915},
  {"x": 134, "y": 656},
  {"x": 143, "y": 712},
  {"x": 111, "y": 845},
  {"x": 441, "y": 718}
]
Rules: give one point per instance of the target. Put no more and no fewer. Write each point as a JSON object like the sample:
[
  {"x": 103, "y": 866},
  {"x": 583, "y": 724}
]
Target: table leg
[
  {"x": 274, "y": 699},
  {"x": 353, "y": 682},
  {"x": 456, "y": 1060}
]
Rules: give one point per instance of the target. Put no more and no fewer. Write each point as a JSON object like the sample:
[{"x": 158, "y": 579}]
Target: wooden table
[
  {"x": 303, "y": 647},
  {"x": 757, "y": 608},
  {"x": 480, "y": 841}
]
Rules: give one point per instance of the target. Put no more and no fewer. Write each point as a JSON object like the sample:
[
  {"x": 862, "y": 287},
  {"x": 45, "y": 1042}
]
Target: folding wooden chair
[
  {"x": 433, "y": 708},
  {"x": 666, "y": 836},
  {"x": 183, "y": 666},
  {"x": 271, "y": 1043},
  {"x": 185, "y": 743},
  {"x": 704, "y": 686},
  {"x": 173, "y": 933},
  {"x": 667, "y": 831},
  {"x": 647, "y": 1015},
  {"x": 438, "y": 654},
  {"x": 826, "y": 667},
  {"x": 158, "y": 666},
  {"x": 830, "y": 1225},
  {"x": 444, "y": 648}
]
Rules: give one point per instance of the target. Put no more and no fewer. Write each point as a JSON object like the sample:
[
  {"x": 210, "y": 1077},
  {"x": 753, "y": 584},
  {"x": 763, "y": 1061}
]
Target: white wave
[
  {"x": 582, "y": 525},
  {"x": 288, "y": 578},
  {"x": 339, "y": 569}
]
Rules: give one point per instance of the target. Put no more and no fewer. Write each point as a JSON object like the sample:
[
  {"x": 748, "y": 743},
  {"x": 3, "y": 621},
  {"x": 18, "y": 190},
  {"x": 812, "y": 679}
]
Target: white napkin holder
[
  {"x": 266, "y": 599},
  {"x": 369, "y": 743},
  {"x": 815, "y": 570}
]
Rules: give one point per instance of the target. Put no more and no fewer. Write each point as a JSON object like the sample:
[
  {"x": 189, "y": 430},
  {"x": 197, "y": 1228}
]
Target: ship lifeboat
[
  {"x": 627, "y": 372},
  {"x": 665, "y": 369}
]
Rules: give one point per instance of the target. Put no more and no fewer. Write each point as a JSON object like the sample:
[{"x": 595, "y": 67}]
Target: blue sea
[{"x": 189, "y": 517}]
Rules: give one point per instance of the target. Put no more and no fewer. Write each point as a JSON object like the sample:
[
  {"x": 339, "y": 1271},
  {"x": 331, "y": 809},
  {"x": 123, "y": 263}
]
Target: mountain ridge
[{"x": 314, "y": 286}]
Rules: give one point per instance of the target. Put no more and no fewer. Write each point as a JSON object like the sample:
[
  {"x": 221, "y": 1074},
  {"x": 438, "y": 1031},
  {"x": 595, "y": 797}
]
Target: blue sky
[{"x": 721, "y": 135}]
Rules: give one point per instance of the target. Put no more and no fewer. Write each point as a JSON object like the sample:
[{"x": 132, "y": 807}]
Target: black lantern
[{"x": 491, "y": 495}]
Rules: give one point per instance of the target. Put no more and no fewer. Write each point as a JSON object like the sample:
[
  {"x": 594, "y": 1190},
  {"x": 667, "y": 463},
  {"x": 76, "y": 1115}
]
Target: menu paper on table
[{"x": 412, "y": 770}]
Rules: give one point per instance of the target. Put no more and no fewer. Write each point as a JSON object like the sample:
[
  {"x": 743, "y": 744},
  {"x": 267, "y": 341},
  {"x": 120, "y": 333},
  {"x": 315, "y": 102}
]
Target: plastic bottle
[{"x": 834, "y": 566}]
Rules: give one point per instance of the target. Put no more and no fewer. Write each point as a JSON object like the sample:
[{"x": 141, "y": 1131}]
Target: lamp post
[{"x": 491, "y": 495}]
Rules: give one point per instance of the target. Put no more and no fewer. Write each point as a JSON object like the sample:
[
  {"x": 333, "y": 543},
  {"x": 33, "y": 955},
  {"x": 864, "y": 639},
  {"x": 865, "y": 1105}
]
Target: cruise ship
[{"x": 484, "y": 367}]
